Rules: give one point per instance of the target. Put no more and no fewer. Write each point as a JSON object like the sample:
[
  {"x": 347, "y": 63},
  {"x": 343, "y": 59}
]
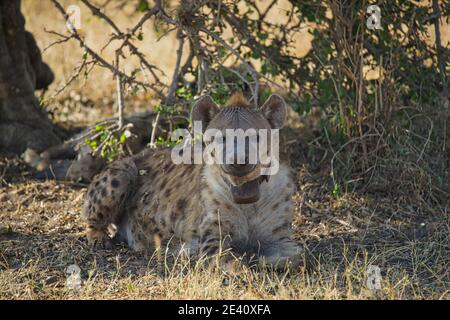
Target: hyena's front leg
[
  {"x": 282, "y": 254},
  {"x": 280, "y": 251},
  {"x": 105, "y": 199},
  {"x": 215, "y": 239}
]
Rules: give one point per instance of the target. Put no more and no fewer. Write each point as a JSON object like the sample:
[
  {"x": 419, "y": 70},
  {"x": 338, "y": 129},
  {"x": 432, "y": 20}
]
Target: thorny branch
[
  {"x": 252, "y": 35},
  {"x": 176, "y": 71},
  {"x": 173, "y": 86},
  {"x": 119, "y": 89},
  {"x": 439, "y": 50},
  {"x": 126, "y": 37},
  {"x": 131, "y": 80},
  {"x": 191, "y": 21}
]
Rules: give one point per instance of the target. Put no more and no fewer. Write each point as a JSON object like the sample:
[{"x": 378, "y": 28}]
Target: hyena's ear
[
  {"x": 274, "y": 109},
  {"x": 204, "y": 110}
]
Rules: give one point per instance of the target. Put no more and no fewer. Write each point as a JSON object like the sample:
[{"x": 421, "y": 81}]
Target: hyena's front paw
[
  {"x": 282, "y": 256},
  {"x": 104, "y": 201},
  {"x": 225, "y": 261},
  {"x": 103, "y": 238}
]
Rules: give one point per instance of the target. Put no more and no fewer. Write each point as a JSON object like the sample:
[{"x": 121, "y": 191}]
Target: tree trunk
[{"x": 23, "y": 123}]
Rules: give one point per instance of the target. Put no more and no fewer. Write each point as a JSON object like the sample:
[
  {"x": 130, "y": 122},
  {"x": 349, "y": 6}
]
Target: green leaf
[
  {"x": 143, "y": 6},
  {"x": 262, "y": 36},
  {"x": 123, "y": 138},
  {"x": 256, "y": 54},
  {"x": 93, "y": 144},
  {"x": 336, "y": 190},
  {"x": 99, "y": 128}
]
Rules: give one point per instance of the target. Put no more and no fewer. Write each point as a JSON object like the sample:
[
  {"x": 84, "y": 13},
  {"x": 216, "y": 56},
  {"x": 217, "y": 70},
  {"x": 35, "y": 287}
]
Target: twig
[
  {"x": 439, "y": 49},
  {"x": 248, "y": 66},
  {"x": 155, "y": 122},
  {"x": 63, "y": 40},
  {"x": 176, "y": 72},
  {"x": 173, "y": 86},
  {"x": 119, "y": 88},
  {"x": 110, "y": 134},
  {"x": 74, "y": 76},
  {"x": 240, "y": 77}
]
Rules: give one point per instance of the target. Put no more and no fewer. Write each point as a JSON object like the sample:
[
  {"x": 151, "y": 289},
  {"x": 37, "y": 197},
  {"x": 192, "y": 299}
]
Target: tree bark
[{"x": 23, "y": 123}]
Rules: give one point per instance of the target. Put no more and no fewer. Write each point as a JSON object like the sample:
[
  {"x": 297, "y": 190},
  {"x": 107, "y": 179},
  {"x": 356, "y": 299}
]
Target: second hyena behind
[{"x": 208, "y": 207}]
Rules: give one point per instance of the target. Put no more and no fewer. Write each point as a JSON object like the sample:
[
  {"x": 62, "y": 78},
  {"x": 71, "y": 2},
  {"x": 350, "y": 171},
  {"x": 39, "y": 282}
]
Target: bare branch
[
  {"x": 176, "y": 71},
  {"x": 119, "y": 89},
  {"x": 84, "y": 63},
  {"x": 102, "y": 62},
  {"x": 155, "y": 122},
  {"x": 126, "y": 37},
  {"x": 249, "y": 67},
  {"x": 439, "y": 49}
]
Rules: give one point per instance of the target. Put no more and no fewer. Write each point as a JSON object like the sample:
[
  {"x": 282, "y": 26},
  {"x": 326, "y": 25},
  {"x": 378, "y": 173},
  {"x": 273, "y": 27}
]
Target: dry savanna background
[{"x": 367, "y": 137}]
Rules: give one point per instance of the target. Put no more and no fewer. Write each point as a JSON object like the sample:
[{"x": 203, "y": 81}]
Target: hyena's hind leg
[{"x": 105, "y": 199}]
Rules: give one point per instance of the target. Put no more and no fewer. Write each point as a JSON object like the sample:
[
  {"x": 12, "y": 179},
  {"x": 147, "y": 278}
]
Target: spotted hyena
[{"x": 147, "y": 198}]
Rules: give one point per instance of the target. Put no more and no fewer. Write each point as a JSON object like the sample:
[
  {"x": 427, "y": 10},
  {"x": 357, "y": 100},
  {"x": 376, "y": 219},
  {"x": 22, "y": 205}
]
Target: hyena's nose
[
  {"x": 239, "y": 162},
  {"x": 238, "y": 170}
]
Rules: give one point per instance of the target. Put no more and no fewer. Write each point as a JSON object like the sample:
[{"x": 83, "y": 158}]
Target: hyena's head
[{"x": 236, "y": 133}]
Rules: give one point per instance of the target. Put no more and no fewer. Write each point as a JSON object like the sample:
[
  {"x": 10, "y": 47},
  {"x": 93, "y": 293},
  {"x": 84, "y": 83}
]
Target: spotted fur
[{"x": 148, "y": 197}]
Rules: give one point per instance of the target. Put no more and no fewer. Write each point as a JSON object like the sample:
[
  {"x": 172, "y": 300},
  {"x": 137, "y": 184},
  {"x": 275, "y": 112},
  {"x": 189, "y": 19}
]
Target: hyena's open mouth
[
  {"x": 248, "y": 192},
  {"x": 244, "y": 185}
]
